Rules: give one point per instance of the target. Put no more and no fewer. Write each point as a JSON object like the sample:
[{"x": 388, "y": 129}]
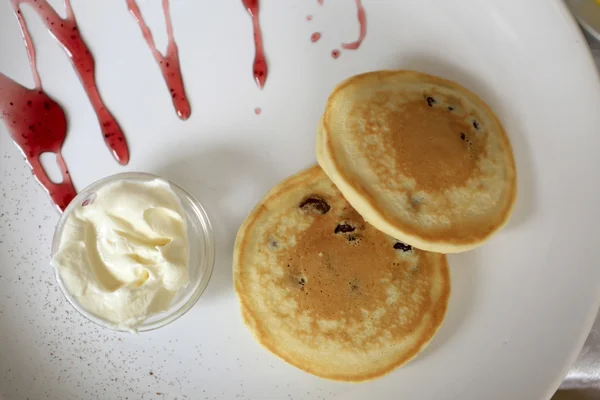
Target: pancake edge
[
  {"x": 251, "y": 322},
  {"x": 363, "y": 203}
]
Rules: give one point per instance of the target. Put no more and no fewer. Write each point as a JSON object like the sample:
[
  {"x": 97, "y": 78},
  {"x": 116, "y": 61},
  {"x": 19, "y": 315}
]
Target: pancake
[
  {"x": 419, "y": 157},
  {"x": 327, "y": 292}
]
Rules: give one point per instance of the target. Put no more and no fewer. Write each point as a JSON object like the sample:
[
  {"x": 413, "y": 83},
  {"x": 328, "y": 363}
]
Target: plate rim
[{"x": 582, "y": 45}]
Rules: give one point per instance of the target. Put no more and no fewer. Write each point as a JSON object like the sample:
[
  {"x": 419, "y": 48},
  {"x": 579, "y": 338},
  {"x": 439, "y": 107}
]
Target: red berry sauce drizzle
[
  {"x": 259, "y": 68},
  {"x": 37, "y": 125},
  {"x": 169, "y": 63},
  {"x": 362, "y": 20},
  {"x": 67, "y": 34}
]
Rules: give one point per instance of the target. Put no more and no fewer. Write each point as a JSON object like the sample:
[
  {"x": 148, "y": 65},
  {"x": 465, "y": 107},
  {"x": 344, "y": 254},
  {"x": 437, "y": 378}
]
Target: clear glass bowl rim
[{"x": 207, "y": 263}]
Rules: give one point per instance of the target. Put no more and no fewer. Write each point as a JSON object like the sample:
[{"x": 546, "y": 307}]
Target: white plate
[{"x": 521, "y": 305}]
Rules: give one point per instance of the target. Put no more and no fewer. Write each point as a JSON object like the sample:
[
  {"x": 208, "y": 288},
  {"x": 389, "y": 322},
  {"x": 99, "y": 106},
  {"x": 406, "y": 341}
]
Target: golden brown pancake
[
  {"x": 329, "y": 293},
  {"x": 419, "y": 157}
]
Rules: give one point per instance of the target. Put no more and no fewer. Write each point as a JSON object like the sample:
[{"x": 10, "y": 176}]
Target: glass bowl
[{"x": 201, "y": 252}]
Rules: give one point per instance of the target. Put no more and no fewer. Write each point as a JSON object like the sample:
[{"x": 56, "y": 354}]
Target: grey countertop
[{"x": 583, "y": 380}]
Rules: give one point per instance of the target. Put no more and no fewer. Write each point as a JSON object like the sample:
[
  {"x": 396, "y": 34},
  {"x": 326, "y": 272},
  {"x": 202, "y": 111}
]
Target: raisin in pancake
[
  {"x": 421, "y": 158},
  {"x": 329, "y": 293}
]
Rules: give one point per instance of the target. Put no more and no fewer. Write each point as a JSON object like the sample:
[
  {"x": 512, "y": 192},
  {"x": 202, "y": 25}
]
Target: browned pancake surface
[{"x": 329, "y": 293}]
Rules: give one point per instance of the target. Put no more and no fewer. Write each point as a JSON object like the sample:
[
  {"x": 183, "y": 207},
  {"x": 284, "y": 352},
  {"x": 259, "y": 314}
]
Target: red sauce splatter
[
  {"x": 362, "y": 20},
  {"x": 37, "y": 124},
  {"x": 309, "y": 17},
  {"x": 67, "y": 34},
  {"x": 335, "y": 53},
  {"x": 315, "y": 36},
  {"x": 320, "y": 2},
  {"x": 257, "y": 110},
  {"x": 169, "y": 63},
  {"x": 259, "y": 68}
]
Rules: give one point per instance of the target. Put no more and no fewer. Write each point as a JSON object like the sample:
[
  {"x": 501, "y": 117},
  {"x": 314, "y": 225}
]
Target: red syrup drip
[
  {"x": 335, "y": 54},
  {"x": 257, "y": 110},
  {"x": 169, "y": 63},
  {"x": 259, "y": 68},
  {"x": 320, "y": 2},
  {"x": 315, "y": 36},
  {"x": 67, "y": 34},
  {"x": 309, "y": 17},
  {"x": 37, "y": 124},
  {"x": 362, "y": 20}
]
